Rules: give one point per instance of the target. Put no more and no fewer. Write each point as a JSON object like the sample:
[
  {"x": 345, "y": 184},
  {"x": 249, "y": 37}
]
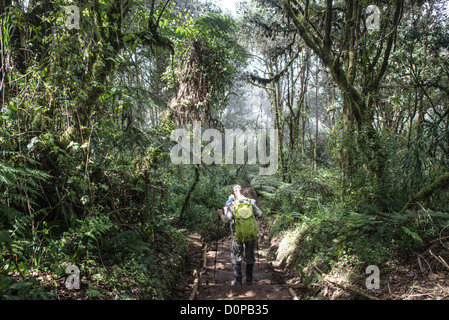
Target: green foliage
[
  {"x": 208, "y": 60},
  {"x": 83, "y": 178},
  {"x": 289, "y": 200},
  {"x": 20, "y": 185},
  {"x": 144, "y": 270},
  {"x": 23, "y": 290},
  {"x": 332, "y": 233},
  {"x": 210, "y": 194},
  {"x": 85, "y": 174}
]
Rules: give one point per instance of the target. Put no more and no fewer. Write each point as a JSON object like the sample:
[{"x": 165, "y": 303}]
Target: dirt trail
[{"x": 202, "y": 282}]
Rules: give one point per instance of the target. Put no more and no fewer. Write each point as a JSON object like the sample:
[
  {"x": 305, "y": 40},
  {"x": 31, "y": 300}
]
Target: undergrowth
[{"x": 329, "y": 234}]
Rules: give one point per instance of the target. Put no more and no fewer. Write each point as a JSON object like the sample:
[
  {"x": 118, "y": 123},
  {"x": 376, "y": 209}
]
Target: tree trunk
[
  {"x": 278, "y": 126},
  {"x": 189, "y": 194},
  {"x": 321, "y": 43},
  {"x": 315, "y": 152}
]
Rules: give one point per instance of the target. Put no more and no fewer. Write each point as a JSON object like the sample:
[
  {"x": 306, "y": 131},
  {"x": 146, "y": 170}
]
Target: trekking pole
[
  {"x": 257, "y": 247},
  {"x": 216, "y": 245},
  {"x": 258, "y": 253}
]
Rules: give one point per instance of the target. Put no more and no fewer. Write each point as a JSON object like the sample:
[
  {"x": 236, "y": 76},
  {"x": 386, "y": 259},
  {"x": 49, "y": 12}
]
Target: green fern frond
[
  {"x": 9, "y": 213},
  {"x": 412, "y": 234}
]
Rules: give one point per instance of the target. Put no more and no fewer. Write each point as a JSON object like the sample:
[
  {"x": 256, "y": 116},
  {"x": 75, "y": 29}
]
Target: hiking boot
[
  {"x": 237, "y": 275},
  {"x": 235, "y": 283},
  {"x": 249, "y": 273}
]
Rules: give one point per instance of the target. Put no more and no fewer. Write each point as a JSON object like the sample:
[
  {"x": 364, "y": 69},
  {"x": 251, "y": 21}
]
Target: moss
[{"x": 438, "y": 184}]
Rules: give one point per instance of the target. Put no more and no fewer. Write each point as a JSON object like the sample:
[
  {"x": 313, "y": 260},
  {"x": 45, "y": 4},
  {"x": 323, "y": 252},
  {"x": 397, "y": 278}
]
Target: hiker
[{"x": 239, "y": 213}]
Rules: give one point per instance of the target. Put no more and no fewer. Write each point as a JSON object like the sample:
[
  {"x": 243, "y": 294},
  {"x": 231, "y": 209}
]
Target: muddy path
[{"x": 204, "y": 279}]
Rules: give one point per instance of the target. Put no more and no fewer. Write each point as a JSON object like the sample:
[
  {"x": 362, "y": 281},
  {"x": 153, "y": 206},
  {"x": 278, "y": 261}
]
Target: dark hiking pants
[{"x": 242, "y": 252}]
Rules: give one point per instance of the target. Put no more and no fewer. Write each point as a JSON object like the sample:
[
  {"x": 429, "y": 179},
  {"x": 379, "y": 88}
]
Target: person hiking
[{"x": 240, "y": 213}]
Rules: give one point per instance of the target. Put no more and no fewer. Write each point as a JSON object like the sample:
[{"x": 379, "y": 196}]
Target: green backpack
[{"x": 245, "y": 222}]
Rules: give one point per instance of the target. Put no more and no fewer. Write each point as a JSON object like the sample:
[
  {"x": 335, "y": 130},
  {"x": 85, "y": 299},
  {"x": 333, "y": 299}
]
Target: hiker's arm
[
  {"x": 227, "y": 216},
  {"x": 257, "y": 211}
]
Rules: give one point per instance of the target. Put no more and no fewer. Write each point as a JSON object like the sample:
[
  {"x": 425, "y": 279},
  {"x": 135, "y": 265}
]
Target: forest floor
[
  {"x": 205, "y": 280},
  {"x": 209, "y": 273}
]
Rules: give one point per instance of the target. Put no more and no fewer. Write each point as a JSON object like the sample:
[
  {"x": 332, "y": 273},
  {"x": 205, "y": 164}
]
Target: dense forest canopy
[{"x": 356, "y": 91}]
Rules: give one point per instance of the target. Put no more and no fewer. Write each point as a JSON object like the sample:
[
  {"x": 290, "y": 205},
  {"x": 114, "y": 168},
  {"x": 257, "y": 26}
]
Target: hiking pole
[
  {"x": 257, "y": 249},
  {"x": 216, "y": 245},
  {"x": 258, "y": 253}
]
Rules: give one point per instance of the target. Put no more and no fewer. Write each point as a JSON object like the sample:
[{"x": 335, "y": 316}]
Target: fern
[
  {"x": 19, "y": 187},
  {"x": 412, "y": 234},
  {"x": 267, "y": 195},
  {"x": 9, "y": 213},
  {"x": 93, "y": 293},
  {"x": 129, "y": 239},
  {"x": 215, "y": 23},
  {"x": 358, "y": 220}
]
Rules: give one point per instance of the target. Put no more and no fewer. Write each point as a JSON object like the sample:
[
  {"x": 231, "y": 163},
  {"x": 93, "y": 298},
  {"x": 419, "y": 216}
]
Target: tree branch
[
  {"x": 440, "y": 183},
  {"x": 276, "y": 77},
  {"x": 396, "y": 20}
]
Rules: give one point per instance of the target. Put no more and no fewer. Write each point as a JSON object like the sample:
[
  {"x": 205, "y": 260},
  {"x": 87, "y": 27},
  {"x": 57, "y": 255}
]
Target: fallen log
[
  {"x": 351, "y": 289},
  {"x": 197, "y": 274}
]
